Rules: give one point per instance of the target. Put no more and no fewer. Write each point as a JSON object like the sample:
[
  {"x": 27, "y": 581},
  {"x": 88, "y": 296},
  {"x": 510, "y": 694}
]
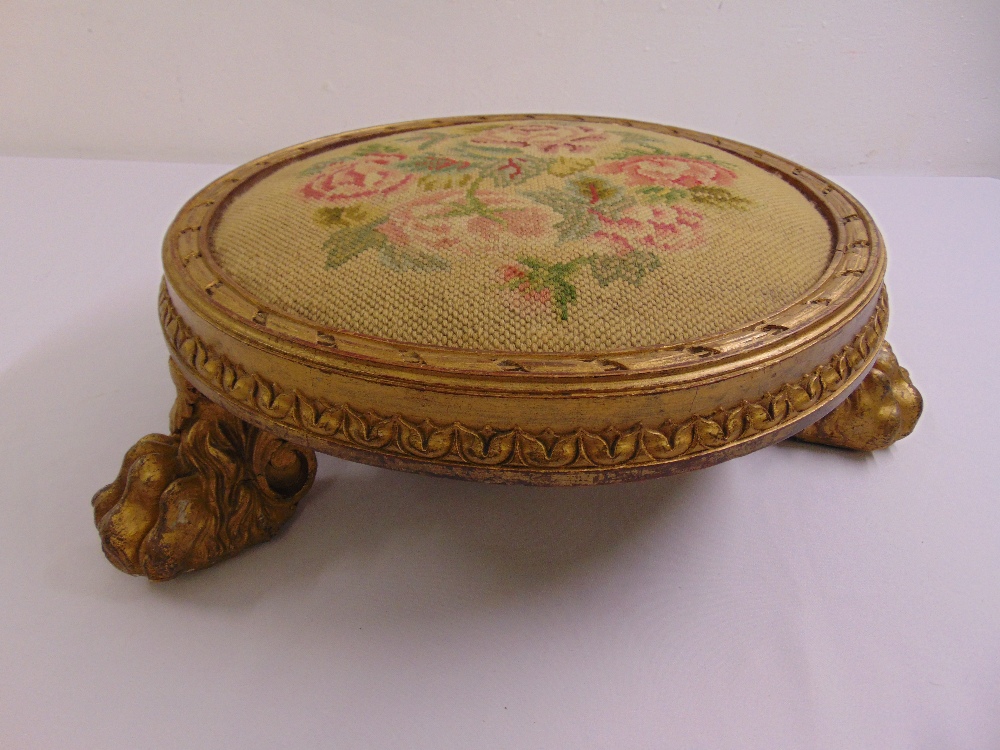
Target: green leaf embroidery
[
  {"x": 434, "y": 163},
  {"x": 630, "y": 268},
  {"x": 628, "y": 152},
  {"x": 580, "y": 202},
  {"x": 707, "y": 157},
  {"x": 348, "y": 242},
  {"x": 402, "y": 260},
  {"x": 446, "y": 181},
  {"x": 485, "y": 158},
  {"x": 553, "y": 277},
  {"x": 718, "y": 196},
  {"x": 373, "y": 147},
  {"x": 472, "y": 205},
  {"x": 657, "y": 194},
  {"x": 578, "y": 220},
  {"x": 481, "y": 128},
  {"x": 565, "y": 166},
  {"x": 639, "y": 144},
  {"x": 636, "y": 137},
  {"x": 427, "y": 139},
  {"x": 339, "y": 217}
]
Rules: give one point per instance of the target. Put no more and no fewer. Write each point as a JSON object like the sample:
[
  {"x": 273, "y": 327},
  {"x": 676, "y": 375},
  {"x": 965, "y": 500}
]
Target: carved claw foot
[
  {"x": 883, "y": 409},
  {"x": 185, "y": 501}
]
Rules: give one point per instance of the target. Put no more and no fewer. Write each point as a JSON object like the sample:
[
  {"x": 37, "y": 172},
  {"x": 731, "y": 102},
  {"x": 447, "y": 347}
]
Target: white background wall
[
  {"x": 794, "y": 598},
  {"x": 847, "y": 87}
]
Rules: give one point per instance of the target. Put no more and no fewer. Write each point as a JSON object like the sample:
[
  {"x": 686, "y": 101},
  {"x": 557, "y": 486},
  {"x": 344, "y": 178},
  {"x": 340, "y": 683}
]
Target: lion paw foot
[
  {"x": 884, "y": 408},
  {"x": 185, "y": 501}
]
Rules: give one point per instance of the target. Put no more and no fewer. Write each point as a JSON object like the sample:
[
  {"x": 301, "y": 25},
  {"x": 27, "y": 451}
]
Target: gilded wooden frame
[{"x": 246, "y": 371}]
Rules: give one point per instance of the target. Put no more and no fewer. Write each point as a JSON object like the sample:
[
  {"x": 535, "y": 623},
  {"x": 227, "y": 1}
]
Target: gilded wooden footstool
[{"x": 535, "y": 299}]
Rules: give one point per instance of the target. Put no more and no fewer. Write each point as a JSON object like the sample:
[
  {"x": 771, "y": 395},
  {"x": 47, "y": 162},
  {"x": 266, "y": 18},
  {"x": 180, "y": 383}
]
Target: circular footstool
[{"x": 536, "y": 299}]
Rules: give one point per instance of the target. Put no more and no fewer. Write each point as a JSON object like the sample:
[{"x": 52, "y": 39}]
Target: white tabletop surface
[{"x": 800, "y": 597}]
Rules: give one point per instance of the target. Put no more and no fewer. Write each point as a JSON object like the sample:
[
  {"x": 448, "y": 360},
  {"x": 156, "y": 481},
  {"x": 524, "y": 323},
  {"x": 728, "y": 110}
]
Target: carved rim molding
[
  {"x": 851, "y": 281},
  {"x": 485, "y": 452}
]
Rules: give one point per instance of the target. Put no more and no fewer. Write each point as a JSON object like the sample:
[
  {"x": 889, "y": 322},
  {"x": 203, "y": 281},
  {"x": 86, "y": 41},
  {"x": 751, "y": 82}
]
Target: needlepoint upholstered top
[
  {"x": 541, "y": 299},
  {"x": 525, "y": 236}
]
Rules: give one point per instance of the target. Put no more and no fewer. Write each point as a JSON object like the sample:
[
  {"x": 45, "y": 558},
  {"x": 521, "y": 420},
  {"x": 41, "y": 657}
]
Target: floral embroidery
[
  {"x": 659, "y": 228},
  {"x": 545, "y": 137},
  {"x": 369, "y": 176},
  {"x": 539, "y": 281},
  {"x": 460, "y": 220},
  {"x": 422, "y": 200},
  {"x": 657, "y": 169}
]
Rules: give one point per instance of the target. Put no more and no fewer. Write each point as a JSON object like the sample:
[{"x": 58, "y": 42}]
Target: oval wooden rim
[{"x": 849, "y": 285}]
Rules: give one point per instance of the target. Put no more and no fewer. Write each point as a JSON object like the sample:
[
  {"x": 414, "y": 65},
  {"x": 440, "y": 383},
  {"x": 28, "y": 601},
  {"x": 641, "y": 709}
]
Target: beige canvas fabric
[{"x": 525, "y": 236}]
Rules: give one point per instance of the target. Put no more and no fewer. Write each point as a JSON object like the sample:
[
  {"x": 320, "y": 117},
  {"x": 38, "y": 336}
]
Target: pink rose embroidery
[
  {"x": 546, "y": 137},
  {"x": 655, "y": 228},
  {"x": 510, "y": 213},
  {"x": 367, "y": 176},
  {"x": 446, "y": 220},
  {"x": 423, "y": 222},
  {"x": 519, "y": 295},
  {"x": 668, "y": 170}
]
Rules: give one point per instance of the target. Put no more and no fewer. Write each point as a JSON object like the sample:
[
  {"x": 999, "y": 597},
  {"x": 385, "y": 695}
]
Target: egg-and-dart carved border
[{"x": 464, "y": 445}]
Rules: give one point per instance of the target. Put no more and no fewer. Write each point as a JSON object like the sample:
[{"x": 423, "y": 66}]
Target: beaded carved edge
[
  {"x": 484, "y": 446},
  {"x": 854, "y": 273}
]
